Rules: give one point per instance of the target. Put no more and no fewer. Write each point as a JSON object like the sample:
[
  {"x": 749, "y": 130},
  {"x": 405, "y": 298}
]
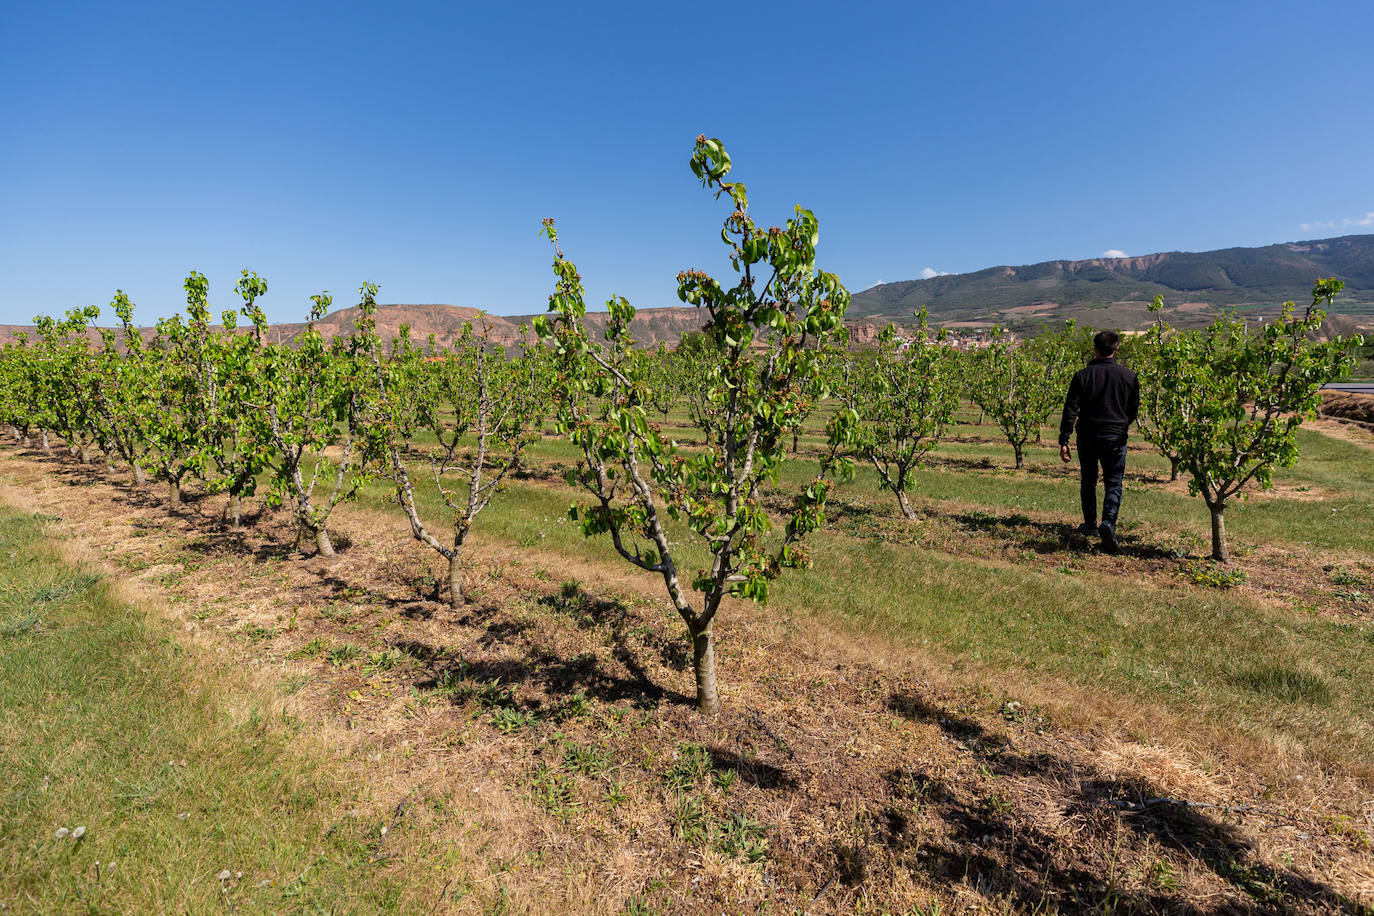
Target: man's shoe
[
  {"x": 1087, "y": 529},
  {"x": 1108, "y": 534}
]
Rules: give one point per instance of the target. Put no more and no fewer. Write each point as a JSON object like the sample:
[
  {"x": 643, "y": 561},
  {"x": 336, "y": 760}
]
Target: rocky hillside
[
  {"x": 1115, "y": 292},
  {"x": 446, "y": 322}
]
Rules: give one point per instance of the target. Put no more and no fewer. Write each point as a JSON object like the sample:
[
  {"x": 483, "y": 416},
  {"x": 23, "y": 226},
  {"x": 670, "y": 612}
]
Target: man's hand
[{"x": 1064, "y": 454}]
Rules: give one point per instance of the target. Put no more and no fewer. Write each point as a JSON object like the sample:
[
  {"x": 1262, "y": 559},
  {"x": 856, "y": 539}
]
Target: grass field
[
  {"x": 897, "y": 718},
  {"x": 141, "y": 777}
]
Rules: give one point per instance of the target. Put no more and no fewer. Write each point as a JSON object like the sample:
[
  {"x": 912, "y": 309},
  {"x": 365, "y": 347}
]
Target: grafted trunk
[
  {"x": 1173, "y": 469},
  {"x": 1020, "y": 457},
  {"x": 235, "y": 512},
  {"x": 907, "y": 512},
  {"x": 704, "y": 666},
  {"x": 173, "y": 493},
  {"x": 322, "y": 542},
  {"x": 139, "y": 477},
  {"x": 1220, "y": 551},
  {"x": 456, "y": 599}
]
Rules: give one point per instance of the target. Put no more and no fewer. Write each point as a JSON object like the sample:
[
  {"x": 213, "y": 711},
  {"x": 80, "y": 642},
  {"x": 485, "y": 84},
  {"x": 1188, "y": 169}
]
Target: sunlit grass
[{"x": 109, "y": 730}]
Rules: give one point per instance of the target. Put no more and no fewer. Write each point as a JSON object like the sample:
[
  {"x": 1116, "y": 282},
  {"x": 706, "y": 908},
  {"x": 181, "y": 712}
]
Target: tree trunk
[
  {"x": 235, "y": 512},
  {"x": 139, "y": 477},
  {"x": 1020, "y": 458},
  {"x": 1173, "y": 469},
  {"x": 173, "y": 493},
  {"x": 907, "y": 511},
  {"x": 1220, "y": 553},
  {"x": 84, "y": 453},
  {"x": 704, "y": 664},
  {"x": 322, "y": 542},
  {"x": 47, "y": 446},
  {"x": 456, "y": 598}
]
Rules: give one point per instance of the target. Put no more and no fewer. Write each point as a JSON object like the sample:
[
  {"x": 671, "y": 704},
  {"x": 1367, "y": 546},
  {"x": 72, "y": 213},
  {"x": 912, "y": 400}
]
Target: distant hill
[
  {"x": 1100, "y": 292},
  {"x": 1115, "y": 292},
  {"x": 445, "y": 323}
]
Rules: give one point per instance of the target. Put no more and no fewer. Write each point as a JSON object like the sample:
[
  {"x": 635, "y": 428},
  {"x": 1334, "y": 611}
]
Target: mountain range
[
  {"x": 1098, "y": 292},
  {"x": 1116, "y": 292}
]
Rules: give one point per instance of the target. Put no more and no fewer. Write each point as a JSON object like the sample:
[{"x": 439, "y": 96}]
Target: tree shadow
[
  {"x": 544, "y": 671},
  {"x": 1120, "y": 826},
  {"x": 590, "y": 611},
  {"x": 1051, "y": 537},
  {"x": 750, "y": 769}
]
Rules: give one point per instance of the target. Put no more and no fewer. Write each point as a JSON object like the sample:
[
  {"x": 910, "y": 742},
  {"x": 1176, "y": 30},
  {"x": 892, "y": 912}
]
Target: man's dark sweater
[{"x": 1103, "y": 399}]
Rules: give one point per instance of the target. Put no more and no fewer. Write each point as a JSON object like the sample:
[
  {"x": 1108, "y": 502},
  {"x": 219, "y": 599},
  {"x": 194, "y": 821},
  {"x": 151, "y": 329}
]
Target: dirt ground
[
  {"x": 1351, "y": 407},
  {"x": 547, "y": 728}
]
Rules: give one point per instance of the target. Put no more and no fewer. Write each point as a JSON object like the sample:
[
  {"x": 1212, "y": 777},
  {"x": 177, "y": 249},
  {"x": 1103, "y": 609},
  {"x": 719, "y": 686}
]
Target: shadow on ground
[{"x": 956, "y": 832}]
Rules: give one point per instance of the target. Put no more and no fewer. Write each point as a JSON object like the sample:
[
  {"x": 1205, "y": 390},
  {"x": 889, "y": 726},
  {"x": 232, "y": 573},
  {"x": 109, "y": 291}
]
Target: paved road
[{"x": 1361, "y": 387}]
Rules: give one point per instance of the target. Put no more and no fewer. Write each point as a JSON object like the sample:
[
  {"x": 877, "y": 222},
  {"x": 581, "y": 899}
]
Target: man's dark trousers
[{"x": 1109, "y": 453}]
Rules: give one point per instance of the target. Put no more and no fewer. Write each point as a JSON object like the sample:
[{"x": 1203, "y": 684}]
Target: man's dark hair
[{"x": 1106, "y": 342}]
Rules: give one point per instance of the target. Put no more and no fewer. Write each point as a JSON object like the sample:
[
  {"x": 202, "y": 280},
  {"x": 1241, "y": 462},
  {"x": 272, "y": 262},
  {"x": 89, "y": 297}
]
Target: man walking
[{"x": 1103, "y": 400}]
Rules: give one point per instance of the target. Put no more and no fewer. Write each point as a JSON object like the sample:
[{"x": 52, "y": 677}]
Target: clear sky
[{"x": 418, "y": 145}]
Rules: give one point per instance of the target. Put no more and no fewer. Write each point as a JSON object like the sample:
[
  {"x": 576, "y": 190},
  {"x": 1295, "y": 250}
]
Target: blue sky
[{"x": 418, "y": 145}]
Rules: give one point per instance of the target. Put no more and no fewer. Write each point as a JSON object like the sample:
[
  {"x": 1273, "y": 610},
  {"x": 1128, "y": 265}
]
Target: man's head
[{"x": 1106, "y": 342}]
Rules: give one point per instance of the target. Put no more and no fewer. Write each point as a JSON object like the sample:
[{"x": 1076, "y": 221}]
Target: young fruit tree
[
  {"x": 1020, "y": 383},
  {"x": 1156, "y": 422},
  {"x": 307, "y": 413},
  {"x": 13, "y": 403},
  {"x": 179, "y": 362},
  {"x": 898, "y": 401},
  {"x": 124, "y": 397},
  {"x": 234, "y": 463},
  {"x": 30, "y": 414},
  {"x": 760, "y": 373},
  {"x": 64, "y": 382},
  {"x": 483, "y": 411},
  {"x": 1234, "y": 400}
]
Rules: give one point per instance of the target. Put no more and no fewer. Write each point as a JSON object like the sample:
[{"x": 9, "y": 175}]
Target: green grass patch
[
  {"x": 128, "y": 786},
  {"x": 1288, "y": 685}
]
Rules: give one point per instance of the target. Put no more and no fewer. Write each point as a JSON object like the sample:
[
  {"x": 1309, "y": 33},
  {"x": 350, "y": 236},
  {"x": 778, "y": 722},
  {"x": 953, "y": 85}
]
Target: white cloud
[
  {"x": 928, "y": 272},
  {"x": 1355, "y": 222},
  {"x": 1113, "y": 253}
]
